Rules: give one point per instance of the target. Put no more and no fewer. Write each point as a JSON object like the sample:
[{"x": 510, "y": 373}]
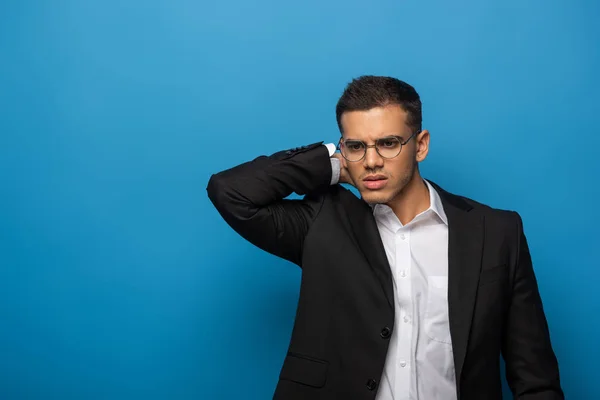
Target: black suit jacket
[{"x": 345, "y": 312}]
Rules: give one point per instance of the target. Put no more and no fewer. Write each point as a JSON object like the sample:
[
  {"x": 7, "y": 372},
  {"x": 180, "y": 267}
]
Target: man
[{"x": 408, "y": 292}]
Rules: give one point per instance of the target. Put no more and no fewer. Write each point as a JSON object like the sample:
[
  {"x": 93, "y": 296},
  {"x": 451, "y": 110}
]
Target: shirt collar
[
  {"x": 435, "y": 205},
  {"x": 436, "y": 202}
]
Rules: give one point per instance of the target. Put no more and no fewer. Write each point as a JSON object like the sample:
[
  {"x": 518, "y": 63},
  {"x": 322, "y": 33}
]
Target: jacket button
[
  {"x": 371, "y": 384},
  {"x": 386, "y": 332}
]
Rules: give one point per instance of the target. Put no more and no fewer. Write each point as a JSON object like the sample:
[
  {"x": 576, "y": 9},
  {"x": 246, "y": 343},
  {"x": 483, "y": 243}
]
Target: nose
[{"x": 372, "y": 159}]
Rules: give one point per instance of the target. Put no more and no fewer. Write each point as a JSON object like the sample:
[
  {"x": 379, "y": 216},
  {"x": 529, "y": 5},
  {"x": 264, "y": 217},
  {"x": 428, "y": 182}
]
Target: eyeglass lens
[{"x": 355, "y": 150}]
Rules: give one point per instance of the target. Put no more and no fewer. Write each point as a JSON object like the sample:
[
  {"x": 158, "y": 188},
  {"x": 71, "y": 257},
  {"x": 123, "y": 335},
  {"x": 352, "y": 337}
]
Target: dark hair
[{"x": 369, "y": 91}]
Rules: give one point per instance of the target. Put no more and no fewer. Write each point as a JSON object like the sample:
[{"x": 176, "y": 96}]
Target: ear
[{"x": 422, "y": 140}]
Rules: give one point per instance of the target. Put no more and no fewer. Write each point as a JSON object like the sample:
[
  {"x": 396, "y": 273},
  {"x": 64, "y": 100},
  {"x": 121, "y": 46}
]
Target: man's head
[{"x": 386, "y": 113}]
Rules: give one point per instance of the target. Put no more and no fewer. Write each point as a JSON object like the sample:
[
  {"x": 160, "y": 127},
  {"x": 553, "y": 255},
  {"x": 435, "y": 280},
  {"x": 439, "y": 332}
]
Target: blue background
[{"x": 118, "y": 280}]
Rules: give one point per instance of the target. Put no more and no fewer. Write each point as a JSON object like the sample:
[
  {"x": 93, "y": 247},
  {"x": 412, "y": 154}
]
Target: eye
[
  {"x": 388, "y": 143},
  {"x": 354, "y": 146}
]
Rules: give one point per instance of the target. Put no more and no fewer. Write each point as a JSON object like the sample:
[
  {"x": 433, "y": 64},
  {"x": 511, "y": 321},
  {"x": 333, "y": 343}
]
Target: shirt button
[
  {"x": 386, "y": 332},
  {"x": 406, "y": 319},
  {"x": 371, "y": 384},
  {"x": 402, "y": 273},
  {"x": 403, "y": 364},
  {"x": 402, "y": 236}
]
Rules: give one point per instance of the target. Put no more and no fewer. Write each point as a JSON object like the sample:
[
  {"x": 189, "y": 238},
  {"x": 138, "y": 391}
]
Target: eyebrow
[{"x": 384, "y": 137}]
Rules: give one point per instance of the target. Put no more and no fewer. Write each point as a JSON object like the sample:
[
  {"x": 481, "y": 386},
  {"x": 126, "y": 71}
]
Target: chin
[{"x": 376, "y": 197}]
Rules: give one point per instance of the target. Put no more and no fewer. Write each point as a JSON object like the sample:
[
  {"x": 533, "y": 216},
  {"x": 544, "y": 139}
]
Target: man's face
[{"x": 378, "y": 179}]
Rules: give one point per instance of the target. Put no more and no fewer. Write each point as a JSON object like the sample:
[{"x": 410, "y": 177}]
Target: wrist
[{"x": 335, "y": 170}]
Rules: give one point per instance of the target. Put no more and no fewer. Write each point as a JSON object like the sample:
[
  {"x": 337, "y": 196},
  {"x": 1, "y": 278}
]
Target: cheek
[
  {"x": 399, "y": 167},
  {"x": 354, "y": 169}
]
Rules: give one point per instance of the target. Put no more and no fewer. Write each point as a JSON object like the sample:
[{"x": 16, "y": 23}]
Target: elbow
[
  {"x": 216, "y": 190},
  {"x": 227, "y": 199},
  {"x": 212, "y": 188}
]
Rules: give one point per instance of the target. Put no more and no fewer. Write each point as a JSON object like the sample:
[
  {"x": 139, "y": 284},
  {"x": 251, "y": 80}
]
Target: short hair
[{"x": 369, "y": 91}]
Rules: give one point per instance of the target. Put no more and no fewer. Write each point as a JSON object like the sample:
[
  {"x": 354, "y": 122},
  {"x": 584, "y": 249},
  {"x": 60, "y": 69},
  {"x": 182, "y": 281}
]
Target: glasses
[{"x": 387, "y": 147}]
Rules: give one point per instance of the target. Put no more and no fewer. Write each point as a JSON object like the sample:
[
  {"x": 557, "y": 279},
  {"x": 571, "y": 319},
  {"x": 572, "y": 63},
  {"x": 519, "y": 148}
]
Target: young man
[{"x": 408, "y": 292}]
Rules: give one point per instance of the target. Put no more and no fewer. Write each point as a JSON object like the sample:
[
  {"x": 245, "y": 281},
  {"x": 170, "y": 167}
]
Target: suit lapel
[
  {"x": 465, "y": 250},
  {"x": 367, "y": 237}
]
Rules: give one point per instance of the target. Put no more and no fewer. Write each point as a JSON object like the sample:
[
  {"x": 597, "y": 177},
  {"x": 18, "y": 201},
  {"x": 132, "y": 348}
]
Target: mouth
[{"x": 375, "y": 182}]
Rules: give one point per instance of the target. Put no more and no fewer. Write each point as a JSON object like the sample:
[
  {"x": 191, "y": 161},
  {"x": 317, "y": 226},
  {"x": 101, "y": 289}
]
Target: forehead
[{"x": 374, "y": 123}]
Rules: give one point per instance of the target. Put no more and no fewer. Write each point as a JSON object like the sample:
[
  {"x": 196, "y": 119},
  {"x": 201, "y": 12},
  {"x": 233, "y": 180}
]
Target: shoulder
[
  {"x": 338, "y": 196},
  {"x": 499, "y": 217},
  {"x": 488, "y": 210}
]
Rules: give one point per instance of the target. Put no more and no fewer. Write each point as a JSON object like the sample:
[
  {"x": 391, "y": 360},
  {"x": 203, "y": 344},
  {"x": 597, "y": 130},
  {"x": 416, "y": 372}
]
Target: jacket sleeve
[
  {"x": 251, "y": 198},
  {"x": 531, "y": 365}
]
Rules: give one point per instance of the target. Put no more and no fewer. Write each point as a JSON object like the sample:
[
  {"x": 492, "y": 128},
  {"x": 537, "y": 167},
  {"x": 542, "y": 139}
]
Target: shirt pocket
[{"x": 436, "y": 322}]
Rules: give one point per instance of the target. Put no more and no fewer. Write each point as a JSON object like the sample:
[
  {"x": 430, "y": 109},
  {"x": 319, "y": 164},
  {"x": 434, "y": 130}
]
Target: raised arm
[{"x": 251, "y": 197}]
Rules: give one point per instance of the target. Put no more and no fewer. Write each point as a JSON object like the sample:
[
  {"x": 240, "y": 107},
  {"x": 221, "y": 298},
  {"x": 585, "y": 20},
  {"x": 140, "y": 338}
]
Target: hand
[{"x": 344, "y": 174}]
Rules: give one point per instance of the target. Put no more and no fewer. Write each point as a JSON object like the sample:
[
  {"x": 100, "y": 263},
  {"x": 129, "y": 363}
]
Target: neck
[{"x": 412, "y": 200}]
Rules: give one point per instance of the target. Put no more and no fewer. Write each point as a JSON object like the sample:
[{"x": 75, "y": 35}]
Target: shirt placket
[{"x": 404, "y": 287}]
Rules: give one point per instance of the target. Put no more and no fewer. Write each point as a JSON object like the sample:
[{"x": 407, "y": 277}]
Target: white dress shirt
[{"x": 419, "y": 363}]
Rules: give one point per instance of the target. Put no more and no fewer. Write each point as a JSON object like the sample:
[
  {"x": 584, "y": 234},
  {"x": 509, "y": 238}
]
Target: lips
[{"x": 375, "y": 182}]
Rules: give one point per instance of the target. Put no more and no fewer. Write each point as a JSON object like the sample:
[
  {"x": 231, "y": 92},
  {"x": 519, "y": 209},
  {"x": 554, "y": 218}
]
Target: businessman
[{"x": 408, "y": 292}]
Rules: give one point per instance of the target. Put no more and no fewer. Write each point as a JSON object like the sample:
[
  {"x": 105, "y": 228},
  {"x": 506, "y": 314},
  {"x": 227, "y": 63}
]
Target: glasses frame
[{"x": 367, "y": 146}]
